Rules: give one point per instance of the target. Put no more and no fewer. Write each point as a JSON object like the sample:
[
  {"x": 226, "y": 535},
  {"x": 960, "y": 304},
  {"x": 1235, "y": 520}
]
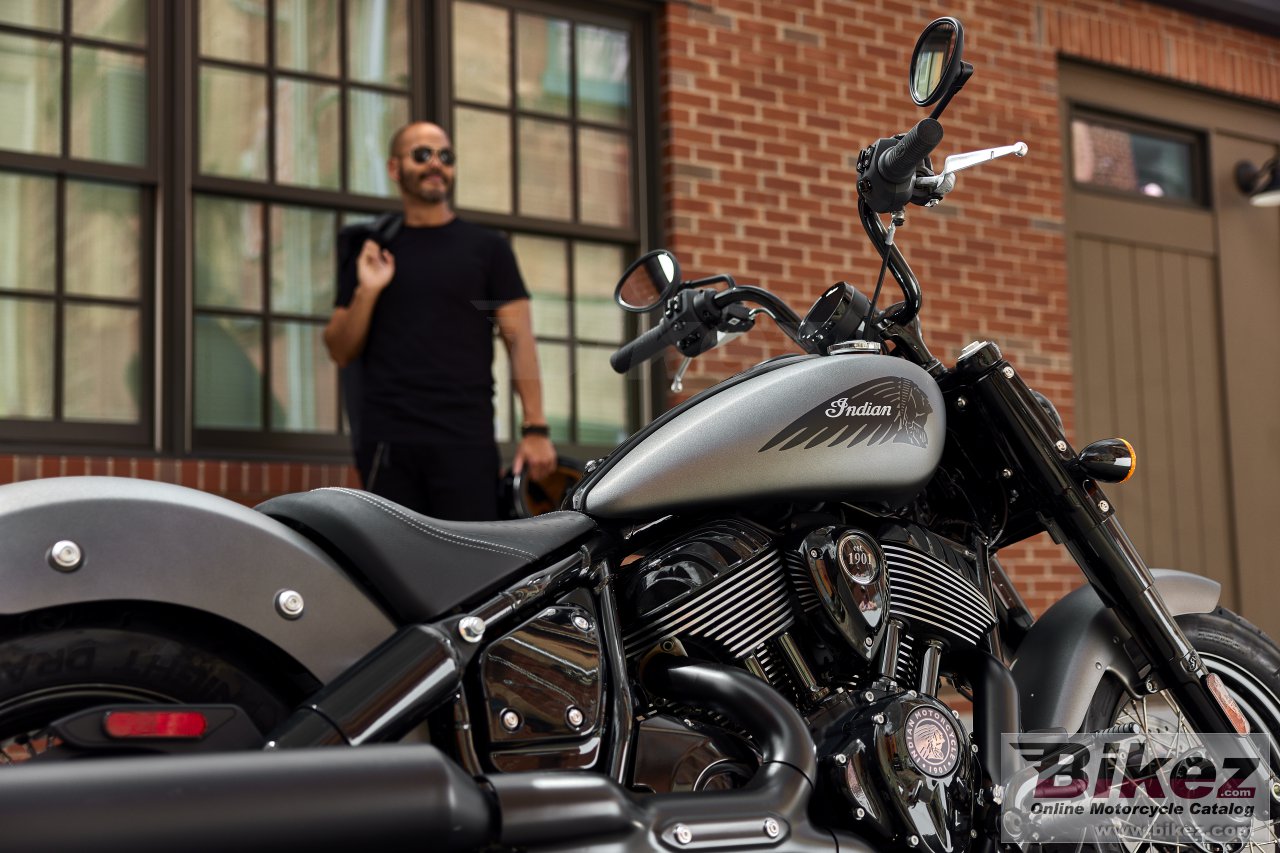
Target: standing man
[{"x": 420, "y": 314}]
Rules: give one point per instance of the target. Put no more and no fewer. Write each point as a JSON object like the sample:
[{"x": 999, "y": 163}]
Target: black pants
[{"x": 458, "y": 483}]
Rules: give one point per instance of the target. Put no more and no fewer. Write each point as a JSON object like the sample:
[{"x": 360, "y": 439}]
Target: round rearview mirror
[
  {"x": 650, "y": 279},
  {"x": 936, "y": 60}
]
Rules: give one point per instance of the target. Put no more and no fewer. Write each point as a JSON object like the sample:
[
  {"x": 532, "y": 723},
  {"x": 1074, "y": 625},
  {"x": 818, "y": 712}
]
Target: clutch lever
[{"x": 677, "y": 381}]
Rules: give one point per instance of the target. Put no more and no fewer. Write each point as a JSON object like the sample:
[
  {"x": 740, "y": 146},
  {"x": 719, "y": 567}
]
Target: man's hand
[
  {"x": 538, "y": 454},
  {"x": 375, "y": 267}
]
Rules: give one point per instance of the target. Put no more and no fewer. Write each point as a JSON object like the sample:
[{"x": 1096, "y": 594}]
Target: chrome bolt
[
  {"x": 66, "y": 556},
  {"x": 973, "y": 833},
  {"x": 1008, "y": 372},
  {"x": 510, "y": 719},
  {"x": 878, "y": 719},
  {"x": 582, "y": 623},
  {"x": 997, "y": 794},
  {"x": 869, "y": 696},
  {"x": 859, "y": 814},
  {"x": 1006, "y": 474},
  {"x": 289, "y": 603},
  {"x": 868, "y": 642},
  {"x": 840, "y": 758},
  {"x": 1097, "y": 664},
  {"x": 1275, "y": 791},
  {"x": 471, "y": 628},
  {"x": 574, "y": 716},
  {"x": 813, "y": 552},
  {"x": 961, "y": 403},
  {"x": 913, "y": 841},
  {"x": 911, "y": 694},
  {"x": 973, "y": 748},
  {"x": 1104, "y": 506},
  {"x": 1061, "y": 446},
  {"x": 1151, "y": 685},
  {"x": 771, "y": 828},
  {"x": 683, "y": 834}
]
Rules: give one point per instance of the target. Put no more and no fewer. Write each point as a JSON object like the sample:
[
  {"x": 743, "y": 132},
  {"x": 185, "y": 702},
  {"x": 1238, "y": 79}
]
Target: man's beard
[{"x": 430, "y": 193}]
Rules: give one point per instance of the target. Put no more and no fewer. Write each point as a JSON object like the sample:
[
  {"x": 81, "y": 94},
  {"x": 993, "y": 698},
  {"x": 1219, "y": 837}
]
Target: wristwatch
[{"x": 536, "y": 429}]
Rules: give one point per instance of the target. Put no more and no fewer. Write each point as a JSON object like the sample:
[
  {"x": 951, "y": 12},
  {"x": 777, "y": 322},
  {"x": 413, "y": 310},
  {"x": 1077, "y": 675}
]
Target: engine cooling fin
[
  {"x": 933, "y": 598},
  {"x": 735, "y": 613}
]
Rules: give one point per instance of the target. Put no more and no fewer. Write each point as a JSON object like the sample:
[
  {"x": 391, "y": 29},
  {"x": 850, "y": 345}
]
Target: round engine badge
[
  {"x": 932, "y": 742},
  {"x": 859, "y": 557}
]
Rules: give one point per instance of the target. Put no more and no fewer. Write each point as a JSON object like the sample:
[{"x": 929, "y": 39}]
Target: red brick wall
[
  {"x": 248, "y": 483},
  {"x": 766, "y": 105}
]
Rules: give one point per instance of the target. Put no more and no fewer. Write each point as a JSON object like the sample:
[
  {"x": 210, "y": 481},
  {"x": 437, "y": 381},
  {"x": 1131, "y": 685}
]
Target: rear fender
[
  {"x": 1077, "y": 641},
  {"x": 155, "y": 542}
]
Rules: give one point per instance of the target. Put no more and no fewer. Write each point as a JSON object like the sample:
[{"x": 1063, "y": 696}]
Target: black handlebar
[
  {"x": 898, "y": 164},
  {"x": 644, "y": 347}
]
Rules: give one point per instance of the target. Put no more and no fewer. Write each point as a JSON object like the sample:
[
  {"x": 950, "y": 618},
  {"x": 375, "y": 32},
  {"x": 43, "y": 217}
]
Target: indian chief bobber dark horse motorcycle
[{"x": 733, "y": 638}]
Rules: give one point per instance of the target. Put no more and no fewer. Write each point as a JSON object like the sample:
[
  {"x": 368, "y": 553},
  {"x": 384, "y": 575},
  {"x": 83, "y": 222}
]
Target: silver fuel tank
[{"x": 860, "y": 427}]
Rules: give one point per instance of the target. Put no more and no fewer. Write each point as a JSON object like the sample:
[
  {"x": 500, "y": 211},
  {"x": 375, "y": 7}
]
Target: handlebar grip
[
  {"x": 642, "y": 348},
  {"x": 898, "y": 164}
]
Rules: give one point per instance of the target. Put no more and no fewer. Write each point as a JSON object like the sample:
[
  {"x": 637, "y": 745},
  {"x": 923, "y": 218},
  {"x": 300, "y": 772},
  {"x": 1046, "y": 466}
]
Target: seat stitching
[{"x": 453, "y": 538}]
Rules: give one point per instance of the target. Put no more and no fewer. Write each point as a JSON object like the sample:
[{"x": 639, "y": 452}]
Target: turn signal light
[
  {"x": 154, "y": 724},
  {"x": 1111, "y": 460}
]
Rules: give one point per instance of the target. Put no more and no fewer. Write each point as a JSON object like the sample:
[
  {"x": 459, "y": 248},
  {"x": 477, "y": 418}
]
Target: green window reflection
[
  {"x": 553, "y": 362},
  {"x": 307, "y": 134},
  {"x": 302, "y": 260},
  {"x": 31, "y": 96},
  {"x": 604, "y": 74},
  {"x": 234, "y": 29},
  {"x": 108, "y": 106},
  {"x": 378, "y": 42},
  {"x": 304, "y": 380},
  {"x": 374, "y": 118},
  {"x": 104, "y": 233},
  {"x": 601, "y": 393},
  {"x": 228, "y": 253},
  {"x": 110, "y": 20},
  {"x": 103, "y": 363},
  {"x": 27, "y": 224},
  {"x": 545, "y": 269},
  {"x": 596, "y": 269},
  {"x": 542, "y": 60},
  {"x": 307, "y": 36},
  {"x": 41, "y": 14},
  {"x": 26, "y": 358},
  {"x": 233, "y": 123},
  {"x": 228, "y": 373}
]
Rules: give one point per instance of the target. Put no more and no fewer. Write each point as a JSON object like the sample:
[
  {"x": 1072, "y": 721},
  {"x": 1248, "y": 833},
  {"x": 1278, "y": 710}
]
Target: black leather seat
[{"x": 423, "y": 567}]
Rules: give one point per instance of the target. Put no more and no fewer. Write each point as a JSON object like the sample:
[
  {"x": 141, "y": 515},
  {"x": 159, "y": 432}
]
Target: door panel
[{"x": 1174, "y": 318}]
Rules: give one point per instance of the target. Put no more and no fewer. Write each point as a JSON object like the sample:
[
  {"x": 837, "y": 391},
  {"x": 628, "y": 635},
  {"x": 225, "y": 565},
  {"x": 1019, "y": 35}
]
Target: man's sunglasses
[{"x": 423, "y": 154}]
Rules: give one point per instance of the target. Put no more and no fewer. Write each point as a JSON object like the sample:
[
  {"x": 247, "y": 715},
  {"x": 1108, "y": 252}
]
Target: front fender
[
  {"x": 155, "y": 542},
  {"x": 1077, "y": 641}
]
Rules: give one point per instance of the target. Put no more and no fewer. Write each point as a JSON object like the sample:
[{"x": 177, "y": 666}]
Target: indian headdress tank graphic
[{"x": 890, "y": 409}]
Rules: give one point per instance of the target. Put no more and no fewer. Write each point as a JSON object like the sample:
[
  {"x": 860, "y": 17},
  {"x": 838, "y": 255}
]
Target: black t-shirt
[{"x": 426, "y": 364}]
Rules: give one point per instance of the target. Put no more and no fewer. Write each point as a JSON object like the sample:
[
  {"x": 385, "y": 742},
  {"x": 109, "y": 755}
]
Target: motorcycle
[{"x": 734, "y": 637}]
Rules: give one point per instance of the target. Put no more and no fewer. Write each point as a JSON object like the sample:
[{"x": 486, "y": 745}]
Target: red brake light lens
[{"x": 155, "y": 724}]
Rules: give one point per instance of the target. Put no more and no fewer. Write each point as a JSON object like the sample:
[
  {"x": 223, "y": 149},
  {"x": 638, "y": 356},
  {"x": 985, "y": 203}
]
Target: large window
[
  {"x": 268, "y": 136},
  {"x": 549, "y": 101},
  {"x": 77, "y": 181}
]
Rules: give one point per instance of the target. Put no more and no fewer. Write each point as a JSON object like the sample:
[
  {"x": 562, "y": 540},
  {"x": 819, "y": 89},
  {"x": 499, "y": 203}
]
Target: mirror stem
[{"x": 966, "y": 71}]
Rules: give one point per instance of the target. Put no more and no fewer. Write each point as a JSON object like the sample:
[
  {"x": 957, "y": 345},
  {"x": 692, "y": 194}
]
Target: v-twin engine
[{"x": 852, "y": 625}]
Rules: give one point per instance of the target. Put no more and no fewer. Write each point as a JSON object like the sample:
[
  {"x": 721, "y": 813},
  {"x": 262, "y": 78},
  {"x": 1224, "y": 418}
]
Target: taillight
[{"x": 155, "y": 724}]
